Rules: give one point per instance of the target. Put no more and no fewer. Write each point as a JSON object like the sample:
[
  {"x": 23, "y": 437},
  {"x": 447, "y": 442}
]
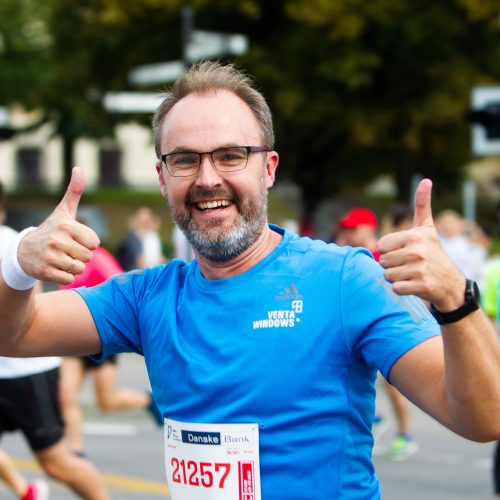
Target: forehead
[{"x": 209, "y": 121}]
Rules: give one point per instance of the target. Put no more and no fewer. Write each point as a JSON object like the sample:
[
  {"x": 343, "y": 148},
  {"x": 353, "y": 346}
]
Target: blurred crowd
[{"x": 463, "y": 240}]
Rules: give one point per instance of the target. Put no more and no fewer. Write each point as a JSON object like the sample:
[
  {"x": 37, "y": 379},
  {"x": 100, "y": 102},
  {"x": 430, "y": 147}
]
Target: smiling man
[{"x": 263, "y": 352}]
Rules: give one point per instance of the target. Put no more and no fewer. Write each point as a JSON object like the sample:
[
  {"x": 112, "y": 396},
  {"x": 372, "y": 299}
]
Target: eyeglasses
[{"x": 187, "y": 163}]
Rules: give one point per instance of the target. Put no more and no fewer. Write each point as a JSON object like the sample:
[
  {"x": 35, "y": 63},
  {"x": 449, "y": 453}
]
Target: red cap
[{"x": 358, "y": 216}]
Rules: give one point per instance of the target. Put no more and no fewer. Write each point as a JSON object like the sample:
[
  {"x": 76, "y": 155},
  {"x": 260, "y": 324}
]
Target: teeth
[{"x": 203, "y": 205}]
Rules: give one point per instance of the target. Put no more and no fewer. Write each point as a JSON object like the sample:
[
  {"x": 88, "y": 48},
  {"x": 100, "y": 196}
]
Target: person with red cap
[
  {"x": 267, "y": 338},
  {"x": 358, "y": 228}
]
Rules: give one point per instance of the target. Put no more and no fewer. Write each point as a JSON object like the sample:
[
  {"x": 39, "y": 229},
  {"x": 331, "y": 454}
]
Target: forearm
[
  {"x": 17, "y": 313},
  {"x": 472, "y": 376}
]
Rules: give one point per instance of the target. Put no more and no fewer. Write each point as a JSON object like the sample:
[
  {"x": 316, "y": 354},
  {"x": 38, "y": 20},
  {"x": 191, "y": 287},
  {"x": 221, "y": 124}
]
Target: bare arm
[
  {"x": 456, "y": 378},
  {"x": 53, "y": 323}
]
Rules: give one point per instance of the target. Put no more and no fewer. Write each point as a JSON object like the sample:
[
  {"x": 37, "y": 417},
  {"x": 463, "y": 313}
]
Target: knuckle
[
  {"x": 54, "y": 241},
  {"x": 86, "y": 255},
  {"x": 65, "y": 226},
  {"x": 389, "y": 275}
]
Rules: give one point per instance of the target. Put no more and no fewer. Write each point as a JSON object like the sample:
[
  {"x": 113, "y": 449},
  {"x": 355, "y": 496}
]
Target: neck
[{"x": 265, "y": 244}]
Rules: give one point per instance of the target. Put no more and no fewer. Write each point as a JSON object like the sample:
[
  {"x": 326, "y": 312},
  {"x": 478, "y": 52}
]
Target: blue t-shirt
[{"x": 293, "y": 344}]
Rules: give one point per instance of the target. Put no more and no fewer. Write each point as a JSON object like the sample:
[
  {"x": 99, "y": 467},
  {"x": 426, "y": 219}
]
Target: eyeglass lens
[{"x": 224, "y": 160}]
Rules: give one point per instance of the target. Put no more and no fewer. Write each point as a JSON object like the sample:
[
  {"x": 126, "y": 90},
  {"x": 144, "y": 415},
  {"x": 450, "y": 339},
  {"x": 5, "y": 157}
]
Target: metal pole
[
  {"x": 469, "y": 200},
  {"x": 187, "y": 31}
]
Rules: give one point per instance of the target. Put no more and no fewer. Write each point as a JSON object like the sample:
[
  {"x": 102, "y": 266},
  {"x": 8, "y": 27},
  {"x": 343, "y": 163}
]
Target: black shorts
[
  {"x": 89, "y": 363},
  {"x": 31, "y": 404}
]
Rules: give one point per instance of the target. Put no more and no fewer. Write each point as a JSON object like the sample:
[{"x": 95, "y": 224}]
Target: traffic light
[
  {"x": 489, "y": 118},
  {"x": 485, "y": 119}
]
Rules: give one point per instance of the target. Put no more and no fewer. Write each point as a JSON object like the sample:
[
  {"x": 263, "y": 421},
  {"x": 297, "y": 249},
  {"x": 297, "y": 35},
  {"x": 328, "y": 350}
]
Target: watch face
[{"x": 472, "y": 292}]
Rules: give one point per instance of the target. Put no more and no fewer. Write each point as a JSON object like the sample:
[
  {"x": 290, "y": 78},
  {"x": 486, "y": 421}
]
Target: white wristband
[{"x": 12, "y": 272}]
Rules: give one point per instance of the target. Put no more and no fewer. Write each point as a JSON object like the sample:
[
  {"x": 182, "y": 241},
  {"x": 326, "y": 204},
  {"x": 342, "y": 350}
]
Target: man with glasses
[{"x": 263, "y": 352}]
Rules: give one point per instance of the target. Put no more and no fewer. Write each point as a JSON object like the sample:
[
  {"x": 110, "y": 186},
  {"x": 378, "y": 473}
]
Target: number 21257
[{"x": 199, "y": 474}]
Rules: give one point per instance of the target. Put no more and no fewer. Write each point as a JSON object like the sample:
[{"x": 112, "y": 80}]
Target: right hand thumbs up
[{"x": 61, "y": 246}]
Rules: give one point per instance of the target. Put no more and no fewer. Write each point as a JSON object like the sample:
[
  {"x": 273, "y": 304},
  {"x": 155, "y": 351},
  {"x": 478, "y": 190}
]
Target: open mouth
[{"x": 212, "y": 204}]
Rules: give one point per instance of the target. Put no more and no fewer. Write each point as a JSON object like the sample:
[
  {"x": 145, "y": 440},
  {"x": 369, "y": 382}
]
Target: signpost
[
  {"x": 207, "y": 44},
  {"x": 156, "y": 73},
  {"x": 203, "y": 45},
  {"x": 197, "y": 45},
  {"x": 132, "y": 102}
]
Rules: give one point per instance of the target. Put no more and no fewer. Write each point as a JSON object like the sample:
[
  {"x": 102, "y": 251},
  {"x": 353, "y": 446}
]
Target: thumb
[
  {"x": 423, "y": 210},
  {"x": 74, "y": 192}
]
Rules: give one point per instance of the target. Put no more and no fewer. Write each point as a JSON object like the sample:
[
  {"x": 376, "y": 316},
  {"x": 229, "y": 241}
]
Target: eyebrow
[{"x": 185, "y": 149}]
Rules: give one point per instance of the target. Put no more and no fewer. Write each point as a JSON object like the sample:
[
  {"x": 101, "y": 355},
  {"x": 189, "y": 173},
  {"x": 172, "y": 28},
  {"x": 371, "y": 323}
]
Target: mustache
[{"x": 198, "y": 194}]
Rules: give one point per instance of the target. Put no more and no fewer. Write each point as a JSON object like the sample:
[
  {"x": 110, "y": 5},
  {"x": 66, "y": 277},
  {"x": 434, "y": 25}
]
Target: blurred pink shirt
[{"x": 101, "y": 267}]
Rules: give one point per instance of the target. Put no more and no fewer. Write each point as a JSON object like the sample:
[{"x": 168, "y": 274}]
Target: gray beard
[{"x": 224, "y": 245}]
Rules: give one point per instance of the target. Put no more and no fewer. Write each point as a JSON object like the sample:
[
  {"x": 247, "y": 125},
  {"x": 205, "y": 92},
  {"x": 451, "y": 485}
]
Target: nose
[{"x": 208, "y": 175}]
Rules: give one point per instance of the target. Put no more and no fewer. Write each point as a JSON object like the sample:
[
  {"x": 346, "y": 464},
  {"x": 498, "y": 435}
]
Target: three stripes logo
[
  {"x": 415, "y": 307},
  {"x": 289, "y": 293}
]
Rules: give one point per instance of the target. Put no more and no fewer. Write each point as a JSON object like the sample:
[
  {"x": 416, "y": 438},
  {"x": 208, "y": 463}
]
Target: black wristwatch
[{"x": 471, "y": 303}]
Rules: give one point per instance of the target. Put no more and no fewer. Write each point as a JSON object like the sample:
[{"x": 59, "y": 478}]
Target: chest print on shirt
[{"x": 286, "y": 314}]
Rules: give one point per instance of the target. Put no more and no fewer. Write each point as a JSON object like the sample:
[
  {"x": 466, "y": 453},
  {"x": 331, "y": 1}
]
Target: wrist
[
  {"x": 469, "y": 304},
  {"x": 452, "y": 299},
  {"x": 12, "y": 272}
]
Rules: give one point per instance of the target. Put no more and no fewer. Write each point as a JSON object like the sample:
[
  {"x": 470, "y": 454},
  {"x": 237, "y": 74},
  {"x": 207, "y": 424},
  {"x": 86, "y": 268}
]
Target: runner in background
[
  {"x": 267, "y": 343},
  {"x": 29, "y": 402},
  {"x": 20, "y": 486},
  {"x": 491, "y": 305},
  {"x": 141, "y": 247},
  {"x": 182, "y": 248},
  {"x": 358, "y": 228},
  {"x": 108, "y": 396}
]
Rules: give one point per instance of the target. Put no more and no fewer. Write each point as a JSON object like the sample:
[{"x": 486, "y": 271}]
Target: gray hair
[{"x": 211, "y": 76}]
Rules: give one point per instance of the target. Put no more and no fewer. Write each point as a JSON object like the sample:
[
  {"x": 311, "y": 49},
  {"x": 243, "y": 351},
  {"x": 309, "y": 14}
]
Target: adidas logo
[{"x": 289, "y": 293}]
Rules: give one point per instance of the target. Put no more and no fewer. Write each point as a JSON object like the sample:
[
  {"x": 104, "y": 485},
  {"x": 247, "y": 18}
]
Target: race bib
[{"x": 212, "y": 461}]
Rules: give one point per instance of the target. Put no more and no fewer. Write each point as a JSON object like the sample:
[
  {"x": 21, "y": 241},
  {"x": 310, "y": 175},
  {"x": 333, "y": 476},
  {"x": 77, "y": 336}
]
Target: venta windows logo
[{"x": 283, "y": 318}]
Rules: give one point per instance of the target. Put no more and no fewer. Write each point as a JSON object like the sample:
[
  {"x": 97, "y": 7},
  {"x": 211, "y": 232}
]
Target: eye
[
  {"x": 183, "y": 160},
  {"x": 235, "y": 155}
]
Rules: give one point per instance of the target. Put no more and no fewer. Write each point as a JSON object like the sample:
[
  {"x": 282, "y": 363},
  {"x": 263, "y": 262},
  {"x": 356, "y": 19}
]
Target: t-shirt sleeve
[
  {"x": 114, "y": 308},
  {"x": 380, "y": 325}
]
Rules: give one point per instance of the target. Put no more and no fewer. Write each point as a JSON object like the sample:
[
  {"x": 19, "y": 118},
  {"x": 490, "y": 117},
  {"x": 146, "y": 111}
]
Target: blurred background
[{"x": 367, "y": 97}]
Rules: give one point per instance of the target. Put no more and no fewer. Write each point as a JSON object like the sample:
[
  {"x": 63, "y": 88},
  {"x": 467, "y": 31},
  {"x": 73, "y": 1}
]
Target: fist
[
  {"x": 61, "y": 246},
  {"x": 415, "y": 262}
]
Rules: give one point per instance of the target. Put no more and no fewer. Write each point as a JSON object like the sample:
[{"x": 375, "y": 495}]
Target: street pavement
[{"x": 127, "y": 447}]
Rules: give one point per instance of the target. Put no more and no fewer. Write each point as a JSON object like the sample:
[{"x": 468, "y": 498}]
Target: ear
[
  {"x": 163, "y": 187},
  {"x": 158, "y": 167},
  {"x": 271, "y": 166}
]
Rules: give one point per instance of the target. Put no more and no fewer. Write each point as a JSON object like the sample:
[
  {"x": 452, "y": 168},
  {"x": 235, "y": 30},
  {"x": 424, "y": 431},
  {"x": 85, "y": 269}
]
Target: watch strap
[
  {"x": 471, "y": 304},
  {"x": 443, "y": 318}
]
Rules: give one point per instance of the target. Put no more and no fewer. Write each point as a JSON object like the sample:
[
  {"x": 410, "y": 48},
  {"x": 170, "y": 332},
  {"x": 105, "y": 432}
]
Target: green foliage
[{"x": 358, "y": 88}]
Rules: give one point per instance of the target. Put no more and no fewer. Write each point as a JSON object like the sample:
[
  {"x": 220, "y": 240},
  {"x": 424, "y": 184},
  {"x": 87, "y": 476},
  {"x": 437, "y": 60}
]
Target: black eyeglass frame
[{"x": 249, "y": 150}]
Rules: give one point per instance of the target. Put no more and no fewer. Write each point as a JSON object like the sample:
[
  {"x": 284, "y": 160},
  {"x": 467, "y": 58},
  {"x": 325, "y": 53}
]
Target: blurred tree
[
  {"x": 61, "y": 57},
  {"x": 362, "y": 88},
  {"x": 357, "y": 88}
]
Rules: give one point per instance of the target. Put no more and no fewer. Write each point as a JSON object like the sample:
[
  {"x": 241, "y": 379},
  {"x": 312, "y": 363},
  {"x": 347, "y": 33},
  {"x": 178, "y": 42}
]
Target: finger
[
  {"x": 62, "y": 277},
  {"x": 407, "y": 273},
  {"x": 395, "y": 258},
  {"x": 73, "y": 266},
  {"x": 393, "y": 241},
  {"x": 71, "y": 198},
  {"x": 86, "y": 236},
  {"x": 423, "y": 210}
]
